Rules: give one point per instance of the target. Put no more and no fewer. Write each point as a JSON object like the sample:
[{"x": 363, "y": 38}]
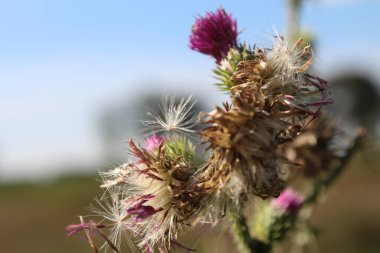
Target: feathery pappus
[{"x": 177, "y": 118}]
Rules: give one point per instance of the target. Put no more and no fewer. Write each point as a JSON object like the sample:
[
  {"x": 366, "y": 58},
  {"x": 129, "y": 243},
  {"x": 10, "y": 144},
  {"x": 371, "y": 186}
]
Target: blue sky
[{"x": 62, "y": 61}]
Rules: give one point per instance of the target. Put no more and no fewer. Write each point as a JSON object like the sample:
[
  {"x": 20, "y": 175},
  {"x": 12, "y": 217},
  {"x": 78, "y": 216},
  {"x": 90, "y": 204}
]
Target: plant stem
[
  {"x": 293, "y": 26},
  {"x": 242, "y": 236}
]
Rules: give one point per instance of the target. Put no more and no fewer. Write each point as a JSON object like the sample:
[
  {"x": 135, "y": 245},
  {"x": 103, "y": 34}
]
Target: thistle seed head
[
  {"x": 273, "y": 99},
  {"x": 315, "y": 149},
  {"x": 153, "y": 195}
]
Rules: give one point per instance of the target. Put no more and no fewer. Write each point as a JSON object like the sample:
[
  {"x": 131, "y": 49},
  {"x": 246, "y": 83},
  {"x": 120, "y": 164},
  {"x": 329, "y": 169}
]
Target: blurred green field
[{"x": 33, "y": 217}]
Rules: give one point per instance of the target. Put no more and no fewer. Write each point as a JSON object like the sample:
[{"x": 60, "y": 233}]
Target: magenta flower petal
[
  {"x": 214, "y": 34},
  {"x": 289, "y": 201},
  {"x": 140, "y": 210},
  {"x": 153, "y": 143}
]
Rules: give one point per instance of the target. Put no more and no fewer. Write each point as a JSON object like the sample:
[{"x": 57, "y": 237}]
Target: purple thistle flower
[
  {"x": 289, "y": 201},
  {"x": 152, "y": 143},
  {"x": 214, "y": 34}
]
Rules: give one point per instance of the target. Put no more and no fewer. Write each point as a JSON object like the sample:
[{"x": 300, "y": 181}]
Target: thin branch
[{"x": 89, "y": 239}]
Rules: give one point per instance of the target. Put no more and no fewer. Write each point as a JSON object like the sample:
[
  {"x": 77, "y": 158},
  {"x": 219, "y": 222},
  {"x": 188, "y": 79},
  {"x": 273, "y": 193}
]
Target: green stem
[
  {"x": 293, "y": 29},
  {"x": 242, "y": 236}
]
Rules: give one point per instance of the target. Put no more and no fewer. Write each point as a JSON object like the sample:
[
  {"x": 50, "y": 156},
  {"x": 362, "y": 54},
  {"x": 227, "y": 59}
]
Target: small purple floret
[
  {"x": 153, "y": 143},
  {"x": 289, "y": 201},
  {"x": 142, "y": 211},
  {"x": 214, "y": 34}
]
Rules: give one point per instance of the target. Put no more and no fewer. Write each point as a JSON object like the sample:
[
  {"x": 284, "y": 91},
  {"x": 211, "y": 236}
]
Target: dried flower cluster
[
  {"x": 163, "y": 191},
  {"x": 273, "y": 98},
  {"x": 316, "y": 149}
]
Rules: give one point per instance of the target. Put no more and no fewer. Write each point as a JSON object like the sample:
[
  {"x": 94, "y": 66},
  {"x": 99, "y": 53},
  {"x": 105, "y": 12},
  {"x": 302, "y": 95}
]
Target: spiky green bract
[
  {"x": 280, "y": 226},
  {"x": 262, "y": 221},
  {"x": 180, "y": 146},
  {"x": 270, "y": 224},
  {"x": 227, "y": 66}
]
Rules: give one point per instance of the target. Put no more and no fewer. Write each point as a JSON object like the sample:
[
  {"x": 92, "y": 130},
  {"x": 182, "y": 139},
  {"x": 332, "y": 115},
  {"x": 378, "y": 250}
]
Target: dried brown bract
[
  {"x": 315, "y": 149},
  {"x": 273, "y": 98}
]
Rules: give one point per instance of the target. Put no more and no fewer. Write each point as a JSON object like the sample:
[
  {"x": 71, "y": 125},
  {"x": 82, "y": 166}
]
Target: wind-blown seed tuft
[{"x": 176, "y": 118}]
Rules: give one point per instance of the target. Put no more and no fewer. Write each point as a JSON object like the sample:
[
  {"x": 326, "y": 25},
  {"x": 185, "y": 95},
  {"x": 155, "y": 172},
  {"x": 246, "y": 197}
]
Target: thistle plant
[{"x": 269, "y": 133}]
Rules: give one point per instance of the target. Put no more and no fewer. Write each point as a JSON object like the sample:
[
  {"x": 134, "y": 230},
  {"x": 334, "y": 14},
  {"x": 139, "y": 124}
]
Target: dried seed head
[
  {"x": 273, "y": 98},
  {"x": 156, "y": 201},
  {"x": 280, "y": 76},
  {"x": 244, "y": 158},
  {"x": 316, "y": 149}
]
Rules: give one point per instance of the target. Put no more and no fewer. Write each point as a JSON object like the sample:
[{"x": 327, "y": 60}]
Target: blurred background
[{"x": 76, "y": 78}]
